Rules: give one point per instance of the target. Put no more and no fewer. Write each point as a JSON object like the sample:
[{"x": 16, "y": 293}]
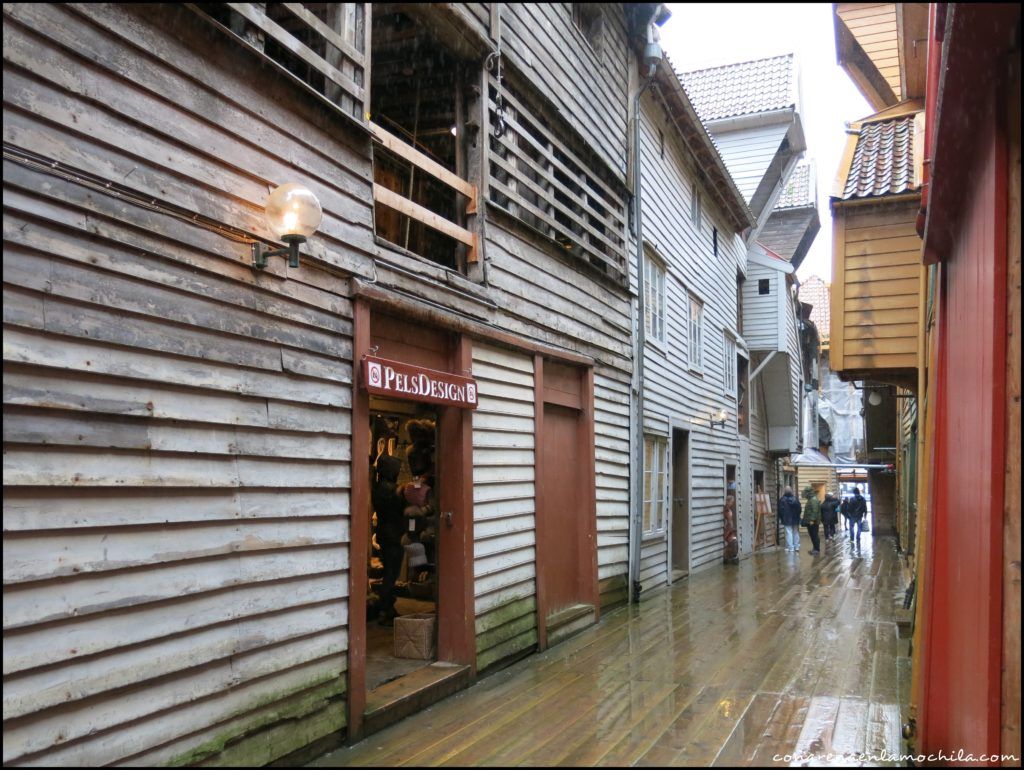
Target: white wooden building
[
  {"x": 752, "y": 110},
  {"x": 693, "y": 215}
]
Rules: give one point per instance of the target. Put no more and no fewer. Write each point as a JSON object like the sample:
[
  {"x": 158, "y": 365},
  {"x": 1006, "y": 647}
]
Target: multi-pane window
[
  {"x": 730, "y": 366},
  {"x": 654, "y": 299},
  {"x": 655, "y": 484},
  {"x": 694, "y": 205},
  {"x": 696, "y": 352}
]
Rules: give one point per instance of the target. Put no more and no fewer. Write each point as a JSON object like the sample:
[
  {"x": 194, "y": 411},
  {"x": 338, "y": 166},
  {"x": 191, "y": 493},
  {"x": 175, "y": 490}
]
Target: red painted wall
[{"x": 960, "y": 709}]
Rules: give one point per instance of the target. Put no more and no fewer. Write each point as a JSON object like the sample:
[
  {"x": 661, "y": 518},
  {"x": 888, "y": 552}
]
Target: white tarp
[{"x": 840, "y": 406}]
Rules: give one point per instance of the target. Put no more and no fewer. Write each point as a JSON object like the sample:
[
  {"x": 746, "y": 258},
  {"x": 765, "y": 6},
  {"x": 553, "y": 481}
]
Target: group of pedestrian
[{"x": 815, "y": 512}]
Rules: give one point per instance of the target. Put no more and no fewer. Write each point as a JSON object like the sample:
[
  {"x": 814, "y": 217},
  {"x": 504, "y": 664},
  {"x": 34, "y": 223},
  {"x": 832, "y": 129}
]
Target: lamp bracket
[{"x": 260, "y": 255}]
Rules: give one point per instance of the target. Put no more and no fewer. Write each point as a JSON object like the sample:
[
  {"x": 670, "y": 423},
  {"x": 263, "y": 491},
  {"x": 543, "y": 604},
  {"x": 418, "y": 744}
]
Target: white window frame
[
  {"x": 695, "y": 335},
  {"x": 695, "y": 212},
  {"x": 730, "y": 374},
  {"x": 654, "y": 299},
  {"x": 654, "y": 520}
]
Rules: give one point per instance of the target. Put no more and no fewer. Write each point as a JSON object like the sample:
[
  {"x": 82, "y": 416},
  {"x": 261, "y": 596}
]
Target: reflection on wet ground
[{"x": 783, "y": 656}]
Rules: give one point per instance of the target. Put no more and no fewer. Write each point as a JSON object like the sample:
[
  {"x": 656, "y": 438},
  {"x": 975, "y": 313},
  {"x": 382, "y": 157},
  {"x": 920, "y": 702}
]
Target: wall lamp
[
  {"x": 293, "y": 214},
  {"x": 719, "y": 419}
]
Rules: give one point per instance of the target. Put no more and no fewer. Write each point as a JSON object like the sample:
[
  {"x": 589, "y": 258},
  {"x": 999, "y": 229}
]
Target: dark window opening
[
  {"x": 418, "y": 97},
  {"x": 764, "y": 286},
  {"x": 739, "y": 303},
  {"x": 742, "y": 396},
  {"x": 661, "y": 144},
  {"x": 589, "y": 20},
  {"x": 714, "y": 240}
]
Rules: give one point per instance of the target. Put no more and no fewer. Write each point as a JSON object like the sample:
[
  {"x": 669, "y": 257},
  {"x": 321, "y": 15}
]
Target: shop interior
[{"x": 402, "y": 596}]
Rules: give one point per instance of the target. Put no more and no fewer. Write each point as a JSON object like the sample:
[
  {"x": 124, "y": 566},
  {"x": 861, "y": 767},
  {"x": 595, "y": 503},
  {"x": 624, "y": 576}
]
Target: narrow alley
[{"x": 785, "y": 654}]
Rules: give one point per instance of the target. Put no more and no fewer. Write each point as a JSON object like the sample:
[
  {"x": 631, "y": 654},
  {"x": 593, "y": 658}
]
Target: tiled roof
[
  {"x": 815, "y": 292},
  {"x": 742, "y": 89},
  {"x": 883, "y": 160},
  {"x": 799, "y": 190}
]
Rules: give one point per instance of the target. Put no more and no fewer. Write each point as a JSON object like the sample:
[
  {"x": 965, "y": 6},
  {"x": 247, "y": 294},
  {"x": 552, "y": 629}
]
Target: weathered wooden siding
[
  {"x": 761, "y": 320},
  {"x": 611, "y": 436},
  {"x": 504, "y": 505},
  {"x": 748, "y": 152},
  {"x": 878, "y": 264},
  {"x": 176, "y": 429},
  {"x": 588, "y": 88},
  {"x": 672, "y": 390}
]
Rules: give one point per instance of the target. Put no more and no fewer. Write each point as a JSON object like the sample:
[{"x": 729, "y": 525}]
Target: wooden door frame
[
  {"x": 587, "y": 492},
  {"x": 685, "y": 425},
  {"x": 456, "y": 642}
]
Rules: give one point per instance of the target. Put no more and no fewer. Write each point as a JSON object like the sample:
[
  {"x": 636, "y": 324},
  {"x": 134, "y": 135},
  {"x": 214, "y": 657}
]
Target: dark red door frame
[{"x": 457, "y": 618}]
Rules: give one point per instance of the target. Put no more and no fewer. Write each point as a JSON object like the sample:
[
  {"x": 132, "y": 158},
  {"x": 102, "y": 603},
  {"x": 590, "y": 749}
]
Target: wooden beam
[
  {"x": 423, "y": 162},
  {"x": 415, "y": 211}
]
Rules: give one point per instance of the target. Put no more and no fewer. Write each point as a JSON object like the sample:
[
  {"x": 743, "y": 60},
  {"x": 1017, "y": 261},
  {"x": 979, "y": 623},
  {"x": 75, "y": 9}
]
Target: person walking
[
  {"x": 830, "y": 514},
  {"x": 789, "y": 515},
  {"x": 856, "y": 510},
  {"x": 811, "y": 517}
]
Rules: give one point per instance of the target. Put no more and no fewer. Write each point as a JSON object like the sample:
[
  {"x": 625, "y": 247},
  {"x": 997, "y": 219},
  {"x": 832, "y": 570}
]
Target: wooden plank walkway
[{"x": 737, "y": 665}]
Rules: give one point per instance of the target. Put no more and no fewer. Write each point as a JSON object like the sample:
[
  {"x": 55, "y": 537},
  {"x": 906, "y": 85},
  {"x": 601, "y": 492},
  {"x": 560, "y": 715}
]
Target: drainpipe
[{"x": 652, "y": 55}]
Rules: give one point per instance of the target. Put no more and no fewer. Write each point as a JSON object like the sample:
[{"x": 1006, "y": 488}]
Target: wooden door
[
  {"x": 564, "y": 511},
  {"x": 680, "y": 503}
]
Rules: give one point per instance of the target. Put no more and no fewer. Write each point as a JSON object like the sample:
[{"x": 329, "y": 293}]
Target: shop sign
[{"x": 416, "y": 383}]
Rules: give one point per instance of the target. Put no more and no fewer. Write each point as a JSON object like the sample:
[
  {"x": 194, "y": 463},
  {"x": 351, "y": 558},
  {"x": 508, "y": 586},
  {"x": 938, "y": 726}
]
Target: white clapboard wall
[
  {"x": 504, "y": 505},
  {"x": 672, "y": 391}
]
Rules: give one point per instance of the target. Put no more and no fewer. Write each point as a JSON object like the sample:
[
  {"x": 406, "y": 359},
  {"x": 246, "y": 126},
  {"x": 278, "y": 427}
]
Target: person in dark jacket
[
  {"x": 389, "y": 506},
  {"x": 830, "y": 514},
  {"x": 856, "y": 510},
  {"x": 789, "y": 515}
]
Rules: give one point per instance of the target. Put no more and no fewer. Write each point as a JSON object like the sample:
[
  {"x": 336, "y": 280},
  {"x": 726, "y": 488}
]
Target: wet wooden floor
[{"x": 785, "y": 654}]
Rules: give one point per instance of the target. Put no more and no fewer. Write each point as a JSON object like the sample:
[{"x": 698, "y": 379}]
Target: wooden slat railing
[
  {"x": 413, "y": 210},
  {"x": 536, "y": 176},
  {"x": 334, "y": 52}
]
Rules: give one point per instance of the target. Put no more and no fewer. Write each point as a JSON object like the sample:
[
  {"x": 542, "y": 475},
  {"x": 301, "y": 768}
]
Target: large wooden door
[{"x": 564, "y": 511}]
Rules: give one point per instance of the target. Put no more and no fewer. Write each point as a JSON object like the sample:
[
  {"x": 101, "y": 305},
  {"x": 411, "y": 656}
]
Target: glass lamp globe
[
  {"x": 294, "y": 211},
  {"x": 874, "y": 398}
]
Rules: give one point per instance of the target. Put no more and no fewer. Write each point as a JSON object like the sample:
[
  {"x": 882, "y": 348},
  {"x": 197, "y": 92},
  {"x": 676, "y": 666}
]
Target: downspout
[{"x": 652, "y": 55}]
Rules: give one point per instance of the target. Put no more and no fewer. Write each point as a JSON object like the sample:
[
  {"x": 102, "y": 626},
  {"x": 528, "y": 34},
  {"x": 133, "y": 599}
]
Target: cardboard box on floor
[{"x": 414, "y": 636}]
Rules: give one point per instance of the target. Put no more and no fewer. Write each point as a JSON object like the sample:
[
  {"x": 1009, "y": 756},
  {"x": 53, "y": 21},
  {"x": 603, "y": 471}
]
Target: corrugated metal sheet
[{"x": 504, "y": 520}]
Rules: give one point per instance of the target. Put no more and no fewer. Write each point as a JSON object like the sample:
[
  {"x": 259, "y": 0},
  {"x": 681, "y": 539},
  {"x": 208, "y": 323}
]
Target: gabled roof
[
  {"x": 799, "y": 191},
  {"x": 762, "y": 85},
  {"x": 696, "y": 137},
  {"x": 882, "y": 161}
]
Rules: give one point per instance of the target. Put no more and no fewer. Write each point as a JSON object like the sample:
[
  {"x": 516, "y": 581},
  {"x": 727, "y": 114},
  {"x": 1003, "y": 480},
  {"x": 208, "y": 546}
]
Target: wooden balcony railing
[
  {"x": 324, "y": 45},
  {"x": 413, "y": 210},
  {"x": 539, "y": 177}
]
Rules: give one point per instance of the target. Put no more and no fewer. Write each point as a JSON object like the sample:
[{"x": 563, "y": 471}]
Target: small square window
[{"x": 764, "y": 286}]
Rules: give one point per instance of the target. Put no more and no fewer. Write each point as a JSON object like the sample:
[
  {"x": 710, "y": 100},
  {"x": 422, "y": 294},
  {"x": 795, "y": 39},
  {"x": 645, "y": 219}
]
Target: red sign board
[{"x": 416, "y": 383}]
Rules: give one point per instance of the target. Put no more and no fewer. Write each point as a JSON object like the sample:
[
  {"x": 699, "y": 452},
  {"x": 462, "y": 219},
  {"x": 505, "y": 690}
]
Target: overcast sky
[{"x": 709, "y": 34}]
